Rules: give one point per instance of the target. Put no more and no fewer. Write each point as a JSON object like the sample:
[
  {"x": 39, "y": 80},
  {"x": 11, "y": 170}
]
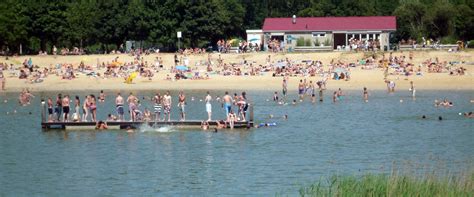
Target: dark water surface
[{"x": 350, "y": 137}]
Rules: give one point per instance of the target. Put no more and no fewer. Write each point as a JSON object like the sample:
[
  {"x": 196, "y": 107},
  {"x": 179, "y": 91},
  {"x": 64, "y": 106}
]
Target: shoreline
[{"x": 372, "y": 79}]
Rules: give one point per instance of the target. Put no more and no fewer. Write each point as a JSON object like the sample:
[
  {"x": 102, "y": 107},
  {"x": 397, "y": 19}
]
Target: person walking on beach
[
  {"x": 119, "y": 107},
  {"x": 284, "y": 87},
  {"x": 167, "y": 105},
  {"x": 227, "y": 104},
  {"x": 132, "y": 106},
  {"x": 59, "y": 107},
  {"x": 65, "y": 104},
  {"x": 181, "y": 105},
  {"x": 366, "y": 95},
  {"x": 413, "y": 90},
  {"x": 157, "y": 106},
  {"x": 208, "y": 106}
]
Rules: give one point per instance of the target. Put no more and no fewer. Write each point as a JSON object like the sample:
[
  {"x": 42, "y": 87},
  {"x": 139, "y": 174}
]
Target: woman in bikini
[
  {"x": 93, "y": 107},
  {"x": 85, "y": 108}
]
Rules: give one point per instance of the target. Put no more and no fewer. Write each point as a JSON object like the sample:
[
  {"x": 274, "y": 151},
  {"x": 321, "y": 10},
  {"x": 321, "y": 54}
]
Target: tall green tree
[{"x": 13, "y": 25}]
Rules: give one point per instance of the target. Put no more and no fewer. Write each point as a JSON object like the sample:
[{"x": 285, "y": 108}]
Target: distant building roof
[{"x": 353, "y": 23}]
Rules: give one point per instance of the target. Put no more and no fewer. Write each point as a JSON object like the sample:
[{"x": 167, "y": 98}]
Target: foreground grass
[{"x": 393, "y": 185}]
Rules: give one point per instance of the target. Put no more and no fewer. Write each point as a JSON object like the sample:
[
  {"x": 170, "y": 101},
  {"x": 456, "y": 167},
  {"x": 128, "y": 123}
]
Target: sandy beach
[{"x": 372, "y": 79}]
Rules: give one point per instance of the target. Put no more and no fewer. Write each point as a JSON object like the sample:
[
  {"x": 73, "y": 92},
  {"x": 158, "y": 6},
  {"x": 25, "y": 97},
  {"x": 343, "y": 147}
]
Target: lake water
[{"x": 350, "y": 137}]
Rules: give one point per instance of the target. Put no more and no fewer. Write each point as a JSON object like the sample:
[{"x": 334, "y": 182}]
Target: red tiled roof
[{"x": 352, "y": 23}]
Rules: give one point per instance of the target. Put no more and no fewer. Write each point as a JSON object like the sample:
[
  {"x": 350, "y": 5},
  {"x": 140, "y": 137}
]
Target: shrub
[
  {"x": 300, "y": 42},
  {"x": 470, "y": 44},
  {"x": 316, "y": 42},
  {"x": 449, "y": 40},
  {"x": 327, "y": 42}
]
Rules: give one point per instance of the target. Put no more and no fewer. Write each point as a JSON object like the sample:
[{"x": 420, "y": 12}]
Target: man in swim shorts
[
  {"x": 119, "y": 106},
  {"x": 167, "y": 105},
  {"x": 157, "y": 106},
  {"x": 227, "y": 104},
  {"x": 65, "y": 104},
  {"x": 182, "y": 104}
]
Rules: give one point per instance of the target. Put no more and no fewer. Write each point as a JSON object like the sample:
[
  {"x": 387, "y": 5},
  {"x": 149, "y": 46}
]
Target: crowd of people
[
  {"x": 364, "y": 44},
  {"x": 66, "y": 109}
]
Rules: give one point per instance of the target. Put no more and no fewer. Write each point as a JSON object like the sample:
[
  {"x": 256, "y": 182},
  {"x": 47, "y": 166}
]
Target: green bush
[
  {"x": 449, "y": 40},
  {"x": 300, "y": 42},
  {"x": 327, "y": 42},
  {"x": 307, "y": 42},
  {"x": 316, "y": 42},
  {"x": 471, "y": 44}
]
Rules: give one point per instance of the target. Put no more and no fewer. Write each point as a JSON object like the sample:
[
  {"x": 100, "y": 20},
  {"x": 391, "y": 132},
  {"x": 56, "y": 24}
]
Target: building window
[{"x": 319, "y": 34}]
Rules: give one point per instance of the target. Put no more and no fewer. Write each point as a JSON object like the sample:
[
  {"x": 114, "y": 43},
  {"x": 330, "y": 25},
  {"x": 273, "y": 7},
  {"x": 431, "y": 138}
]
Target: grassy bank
[{"x": 393, "y": 185}]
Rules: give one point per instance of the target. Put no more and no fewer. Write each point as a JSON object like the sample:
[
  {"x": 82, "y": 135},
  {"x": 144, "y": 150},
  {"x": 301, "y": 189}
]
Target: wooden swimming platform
[{"x": 135, "y": 125}]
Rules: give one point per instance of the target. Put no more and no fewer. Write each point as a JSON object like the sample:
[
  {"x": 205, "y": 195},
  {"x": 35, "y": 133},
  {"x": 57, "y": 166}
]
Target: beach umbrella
[
  {"x": 254, "y": 40},
  {"x": 181, "y": 67}
]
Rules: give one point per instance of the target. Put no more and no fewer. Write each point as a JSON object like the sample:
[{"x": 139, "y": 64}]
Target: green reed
[{"x": 430, "y": 183}]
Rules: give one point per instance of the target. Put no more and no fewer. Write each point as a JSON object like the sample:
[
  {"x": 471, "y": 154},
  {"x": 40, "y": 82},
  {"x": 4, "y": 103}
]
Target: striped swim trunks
[{"x": 157, "y": 108}]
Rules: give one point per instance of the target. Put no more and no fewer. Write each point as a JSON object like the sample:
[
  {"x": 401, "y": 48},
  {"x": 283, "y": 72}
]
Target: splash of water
[{"x": 163, "y": 129}]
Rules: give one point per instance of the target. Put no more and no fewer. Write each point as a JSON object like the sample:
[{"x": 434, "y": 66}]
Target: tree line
[{"x": 103, "y": 25}]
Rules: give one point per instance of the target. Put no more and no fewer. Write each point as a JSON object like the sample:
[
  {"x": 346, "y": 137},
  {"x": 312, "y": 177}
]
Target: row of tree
[{"x": 105, "y": 25}]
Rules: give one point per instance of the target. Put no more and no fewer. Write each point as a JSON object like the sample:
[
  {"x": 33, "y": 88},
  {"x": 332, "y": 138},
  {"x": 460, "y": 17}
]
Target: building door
[{"x": 339, "y": 40}]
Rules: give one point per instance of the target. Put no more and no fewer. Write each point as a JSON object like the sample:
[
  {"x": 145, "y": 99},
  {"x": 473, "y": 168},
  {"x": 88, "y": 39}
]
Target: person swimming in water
[
  {"x": 275, "y": 97},
  {"x": 101, "y": 96},
  {"x": 101, "y": 125},
  {"x": 204, "y": 125}
]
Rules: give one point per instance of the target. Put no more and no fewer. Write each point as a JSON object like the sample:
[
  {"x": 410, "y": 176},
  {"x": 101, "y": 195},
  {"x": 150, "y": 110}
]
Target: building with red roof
[{"x": 328, "y": 32}]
